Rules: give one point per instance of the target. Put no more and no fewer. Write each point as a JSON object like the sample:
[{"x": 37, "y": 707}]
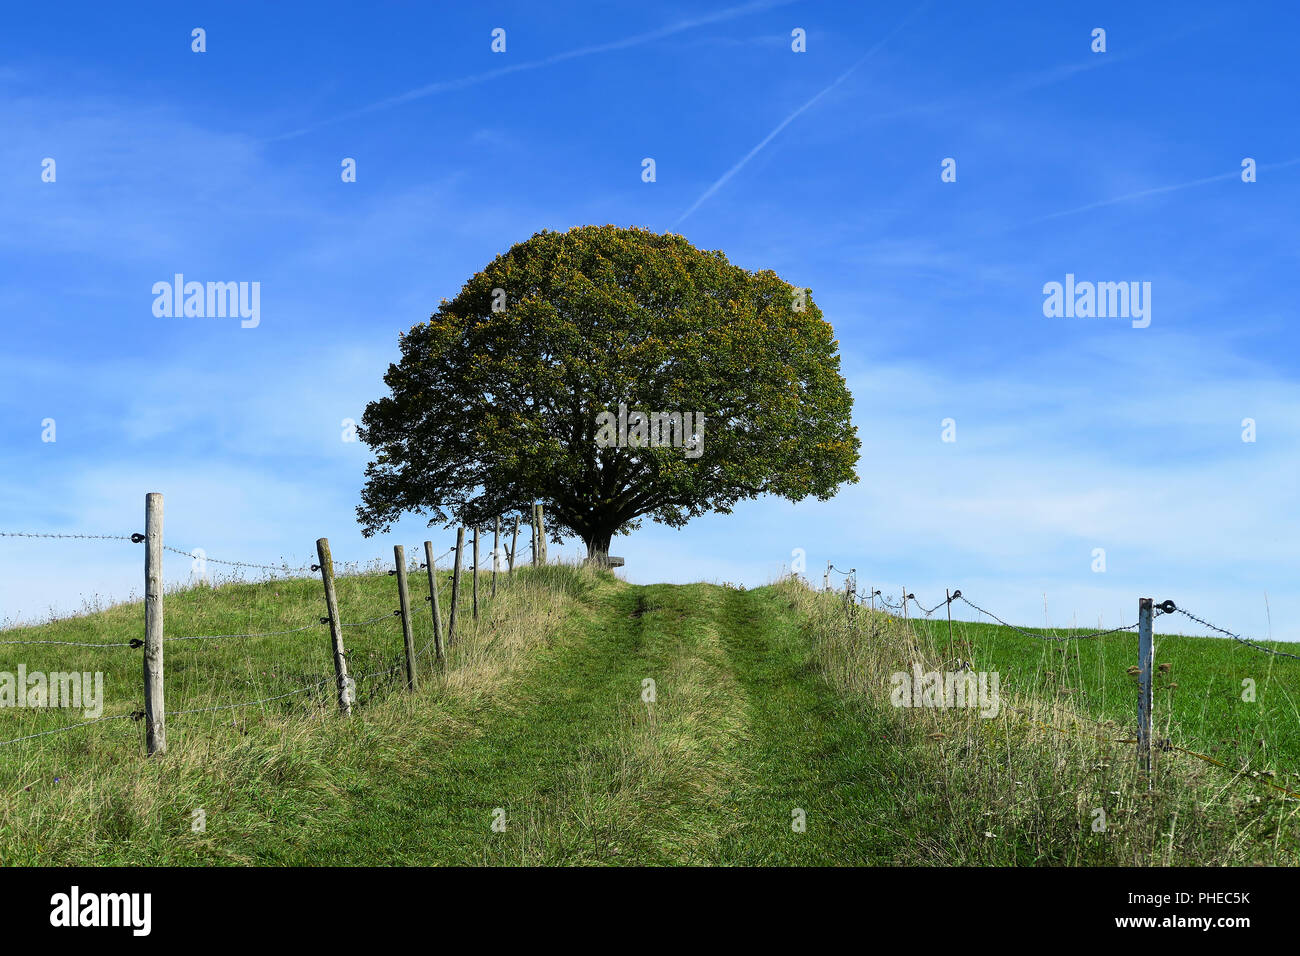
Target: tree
[{"x": 498, "y": 399}]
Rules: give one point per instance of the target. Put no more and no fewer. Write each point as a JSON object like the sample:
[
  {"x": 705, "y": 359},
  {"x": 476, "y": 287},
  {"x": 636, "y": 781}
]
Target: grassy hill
[
  {"x": 769, "y": 706},
  {"x": 1198, "y": 686}
]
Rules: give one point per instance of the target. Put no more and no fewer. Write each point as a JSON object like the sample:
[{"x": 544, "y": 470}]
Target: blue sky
[{"x": 1072, "y": 433}]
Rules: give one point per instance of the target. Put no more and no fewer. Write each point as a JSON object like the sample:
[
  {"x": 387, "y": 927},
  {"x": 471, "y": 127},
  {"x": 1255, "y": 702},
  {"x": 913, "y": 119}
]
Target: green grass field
[
  {"x": 537, "y": 744},
  {"x": 1197, "y": 698}
]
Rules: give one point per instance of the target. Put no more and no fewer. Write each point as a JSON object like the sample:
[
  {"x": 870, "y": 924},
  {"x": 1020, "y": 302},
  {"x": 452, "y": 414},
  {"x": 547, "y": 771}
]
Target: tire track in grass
[
  {"x": 807, "y": 749},
  {"x": 576, "y": 765}
]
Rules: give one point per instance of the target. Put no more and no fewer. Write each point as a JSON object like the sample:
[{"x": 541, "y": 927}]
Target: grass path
[
  {"x": 596, "y": 722},
  {"x": 583, "y": 770},
  {"x": 807, "y": 749},
  {"x": 742, "y": 732}
]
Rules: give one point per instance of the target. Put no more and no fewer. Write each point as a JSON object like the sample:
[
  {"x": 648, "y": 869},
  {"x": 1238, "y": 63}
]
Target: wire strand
[
  {"x": 214, "y": 637},
  {"x": 1044, "y": 637},
  {"x": 1236, "y": 637},
  {"x": 59, "y": 730},
  {"x": 74, "y": 643}
]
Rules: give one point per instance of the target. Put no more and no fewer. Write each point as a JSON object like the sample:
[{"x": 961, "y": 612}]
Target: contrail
[
  {"x": 1154, "y": 191},
  {"x": 443, "y": 86},
  {"x": 789, "y": 119}
]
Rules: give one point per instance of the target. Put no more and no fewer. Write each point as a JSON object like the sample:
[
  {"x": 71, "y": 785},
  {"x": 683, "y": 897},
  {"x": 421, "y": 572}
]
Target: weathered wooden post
[
  {"x": 154, "y": 707},
  {"x": 514, "y": 542},
  {"x": 496, "y": 553},
  {"x": 541, "y": 530},
  {"x": 455, "y": 586},
  {"x": 404, "y": 598},
  {"x": 336, "y": 631},
  {"x": 1144, "y": 685},
  {"x": 433, "y": 601},
  {"x": 475, "y": 589},
  {"x": 534, "y": 539},
  {"x": 873, "y": 598},
  {"x": 904, "y": 605}
]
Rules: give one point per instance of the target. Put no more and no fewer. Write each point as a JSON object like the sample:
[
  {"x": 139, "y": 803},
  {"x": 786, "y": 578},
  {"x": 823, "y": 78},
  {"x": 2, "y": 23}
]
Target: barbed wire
[
  {"x": 957, "y": 595},
  {"x": 427, "y": 644},
  {"x": 132, "y": 643},
  {"x": 1161, "y": 744},
  {"x": 283, "y": 568},
  {"x": 59, "y": 730},
  {"x": 1236, "y": 637},
  {"x": 943, "y": 603},
  {"x": 214, "y": 637},
  {"x": 80, "y": 537},
  {"x": 1165, "y": 608},
  {"x": 1044, "y": 637}
]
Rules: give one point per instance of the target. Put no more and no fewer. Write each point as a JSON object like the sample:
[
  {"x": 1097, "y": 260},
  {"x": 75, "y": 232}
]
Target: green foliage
[{"x": 489, "y": 411}]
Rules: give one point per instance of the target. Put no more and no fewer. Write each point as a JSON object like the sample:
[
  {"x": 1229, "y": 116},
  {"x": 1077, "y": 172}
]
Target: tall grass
[
  {"x": 1045, "y": 781},
  {"x": 268, "y": 778}
]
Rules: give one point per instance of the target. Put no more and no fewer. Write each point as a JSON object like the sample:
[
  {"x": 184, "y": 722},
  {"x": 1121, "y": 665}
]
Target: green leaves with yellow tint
[{"x": 488, "y": 410}]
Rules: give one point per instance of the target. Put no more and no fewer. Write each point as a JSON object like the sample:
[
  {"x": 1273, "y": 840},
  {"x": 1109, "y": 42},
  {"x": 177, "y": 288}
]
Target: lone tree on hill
[{"x": 511, "y": 392}]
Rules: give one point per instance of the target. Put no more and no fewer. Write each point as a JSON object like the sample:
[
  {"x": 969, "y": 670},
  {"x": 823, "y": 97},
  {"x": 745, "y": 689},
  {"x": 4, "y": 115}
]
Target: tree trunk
[{"x": 597, "y": 544}]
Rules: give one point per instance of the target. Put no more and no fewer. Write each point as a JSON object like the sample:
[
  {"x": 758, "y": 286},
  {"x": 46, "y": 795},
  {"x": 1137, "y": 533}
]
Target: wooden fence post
[
  {"x": 496, "y": 553},
  {"x": 873, "y": 599},
  {"x": 336, "y": 631},
  {"x": 514, "y": 543},
  {"x": 475, "y": 588},
  {"x": 154, "y": 708},
  {"x": 455, "y": 586},
  {"x": 433, "y": 602},
  {"x": 534, "y": 528},
  {"x": 541, "y": 530},
  {"x": 904, "y": 605},
  {"x": 1144, "y": 685},
  {"x": 404, "y": 599}
]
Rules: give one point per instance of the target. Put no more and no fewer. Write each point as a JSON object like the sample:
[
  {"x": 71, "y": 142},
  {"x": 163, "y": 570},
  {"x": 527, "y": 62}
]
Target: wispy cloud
[
  {"x": 1155, "y": 191},
  {"x": 446, "y": 86},
  {"x": 1027, "y": 84},
  {"x": 722, "y": 180}
]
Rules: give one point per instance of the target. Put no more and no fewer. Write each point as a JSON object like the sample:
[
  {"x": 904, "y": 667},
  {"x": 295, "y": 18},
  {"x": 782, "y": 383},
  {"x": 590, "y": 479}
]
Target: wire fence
[
  {"x": 315, "y": 625},
  {"x": 199, "y": 555},
  {"x": 1164, "y": 608},
  {"x": 1236, "y": 637},
  {"x": 853, "y": 599},
  {"x": 284, "y": 568},
  {"x": 1045, "y": 637}
]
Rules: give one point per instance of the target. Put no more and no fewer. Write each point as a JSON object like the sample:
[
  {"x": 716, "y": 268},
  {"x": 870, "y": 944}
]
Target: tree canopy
[{"x": 497, "y": 399}]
